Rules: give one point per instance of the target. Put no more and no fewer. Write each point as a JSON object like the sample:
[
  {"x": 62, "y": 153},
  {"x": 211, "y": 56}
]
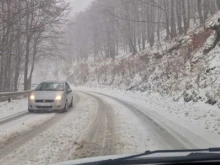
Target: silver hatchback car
[{"x": 51, "y": 96}]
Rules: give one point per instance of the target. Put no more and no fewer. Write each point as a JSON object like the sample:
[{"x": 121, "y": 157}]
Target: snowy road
[
  {"x": 162, "y": 135},
  {"x": 165, "y": 133},
  {"x": 97, "y": 125},
  {"x": 85, "y": 130}
]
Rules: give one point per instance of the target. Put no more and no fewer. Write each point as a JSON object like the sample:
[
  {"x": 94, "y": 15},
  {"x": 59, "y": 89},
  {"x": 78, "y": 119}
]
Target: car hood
[
  {"x": 49, "y": 95},
  {"x": 87, "y": 160},
  {"x": 101, "y": 158}
]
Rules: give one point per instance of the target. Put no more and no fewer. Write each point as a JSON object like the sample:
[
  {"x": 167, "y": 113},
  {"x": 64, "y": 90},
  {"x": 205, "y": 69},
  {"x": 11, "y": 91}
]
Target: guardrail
[{"x": 9, "y": 95}]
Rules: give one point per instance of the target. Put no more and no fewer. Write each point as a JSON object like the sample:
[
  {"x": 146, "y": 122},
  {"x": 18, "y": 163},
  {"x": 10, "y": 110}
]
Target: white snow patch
[
  {"x": 16, "y": 106},
  {"x": 22, "y": 125}
]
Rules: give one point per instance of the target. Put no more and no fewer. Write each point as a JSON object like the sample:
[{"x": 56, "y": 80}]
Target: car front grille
[
  {"x": 44, "y": 101},
  {"x": 44, "y": 107}
]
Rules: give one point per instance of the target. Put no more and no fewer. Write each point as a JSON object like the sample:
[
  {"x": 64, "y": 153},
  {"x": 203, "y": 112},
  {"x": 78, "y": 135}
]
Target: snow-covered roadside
[
  {"x": 198, "y": 118},
  {"x": 16, "y": 106},
  {"x": 12, "y": 130}
]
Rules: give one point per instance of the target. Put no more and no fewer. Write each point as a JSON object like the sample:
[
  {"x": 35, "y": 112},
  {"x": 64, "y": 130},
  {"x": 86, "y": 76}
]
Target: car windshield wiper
[{"x": 193, "y": 155}]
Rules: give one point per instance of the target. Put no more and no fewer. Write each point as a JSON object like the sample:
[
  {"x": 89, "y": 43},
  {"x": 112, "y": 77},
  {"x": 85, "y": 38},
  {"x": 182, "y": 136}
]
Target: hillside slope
[{"x": 178, "y": 68}]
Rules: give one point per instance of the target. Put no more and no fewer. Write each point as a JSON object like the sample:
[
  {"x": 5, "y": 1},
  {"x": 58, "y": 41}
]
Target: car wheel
[
  {"x": 30, "y": 111},
  {"x": 65, "y": 108},
  {"x": 71, "y": 104}
]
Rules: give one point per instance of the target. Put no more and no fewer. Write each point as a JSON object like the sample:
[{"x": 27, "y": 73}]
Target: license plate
[{"x": 44, "y": 104}]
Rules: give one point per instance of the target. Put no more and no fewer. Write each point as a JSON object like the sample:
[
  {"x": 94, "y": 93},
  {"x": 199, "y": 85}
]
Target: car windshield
[{"x": 50, "y": 86}]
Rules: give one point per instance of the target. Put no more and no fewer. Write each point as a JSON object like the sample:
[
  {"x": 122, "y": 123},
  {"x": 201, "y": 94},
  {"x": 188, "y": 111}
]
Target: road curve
[
  {"x": 165, "y": 136},
  {"x": 91, "y": 128}
]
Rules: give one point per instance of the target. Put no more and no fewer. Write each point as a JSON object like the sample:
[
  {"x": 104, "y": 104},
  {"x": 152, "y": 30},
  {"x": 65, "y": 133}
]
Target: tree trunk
[
  {"x": 179, "y": 16},
  {"x": 206, "y": 10},
  {"x": 158, "y": 25},
  {"x": 184, "y": 16},
  {"x": 152, "y": 26},
  {"x": 143, "y": 27},
  {"x": 27, "y": 48},
  {"x": 18, "y": 50},
  {"x": 173, "y": 23},
  {"x": 218, "y": 4},
  {"x": 199, "y": 6},
  {"x": 167, "y": 20},
  {"x": 188, "y": 14},
  {"x": 211, "y": 8},
  {"x": 33, "y": 61}
]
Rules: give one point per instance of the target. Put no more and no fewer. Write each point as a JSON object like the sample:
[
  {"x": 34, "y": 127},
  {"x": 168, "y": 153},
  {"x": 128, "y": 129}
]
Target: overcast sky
[{"x": 79, "y": 5}]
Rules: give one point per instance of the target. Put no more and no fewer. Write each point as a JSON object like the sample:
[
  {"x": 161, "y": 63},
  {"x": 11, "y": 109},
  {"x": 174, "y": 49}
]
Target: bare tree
[{"x": 21, "y": 22}]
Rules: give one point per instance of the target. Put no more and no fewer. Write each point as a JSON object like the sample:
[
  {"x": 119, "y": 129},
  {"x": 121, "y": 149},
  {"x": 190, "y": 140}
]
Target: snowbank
[{"x": 16, "y": 106}]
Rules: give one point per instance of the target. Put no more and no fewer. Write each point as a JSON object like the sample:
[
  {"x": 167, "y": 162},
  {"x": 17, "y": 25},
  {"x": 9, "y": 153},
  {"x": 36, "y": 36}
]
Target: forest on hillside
[{"x": 111, "y": 27}]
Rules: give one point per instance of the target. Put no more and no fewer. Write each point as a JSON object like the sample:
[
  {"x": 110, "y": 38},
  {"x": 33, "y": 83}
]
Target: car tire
[
  {"x": 30, "y": 111},
  {"x": 71, "y": 104},
  {"x": 65, "y": 108}
]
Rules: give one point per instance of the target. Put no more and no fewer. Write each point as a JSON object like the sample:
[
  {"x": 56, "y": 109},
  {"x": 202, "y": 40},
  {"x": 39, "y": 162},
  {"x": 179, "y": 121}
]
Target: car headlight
[
  {"x": 58, "y": 98},
  {"x": 32, "y": 97}
]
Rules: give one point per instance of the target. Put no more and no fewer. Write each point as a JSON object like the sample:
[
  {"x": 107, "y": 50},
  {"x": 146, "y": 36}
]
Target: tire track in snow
[
  {"x": 165, "y": 137},
  {"x": 7, "y": 148},
  {"x": 99, "y": 139},
  {"x": 13, "y": 117}
]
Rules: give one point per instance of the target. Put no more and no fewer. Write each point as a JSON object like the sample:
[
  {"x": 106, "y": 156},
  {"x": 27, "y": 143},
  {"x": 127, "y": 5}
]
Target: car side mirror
[{"x": 69, "y": 90}]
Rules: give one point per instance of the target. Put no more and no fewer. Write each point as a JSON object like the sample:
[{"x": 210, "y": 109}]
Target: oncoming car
[{"x": 51, "y": 96}]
